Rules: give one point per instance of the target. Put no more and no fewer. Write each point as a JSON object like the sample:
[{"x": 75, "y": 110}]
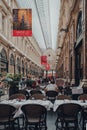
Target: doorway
[{"x": 78, "y": 64}]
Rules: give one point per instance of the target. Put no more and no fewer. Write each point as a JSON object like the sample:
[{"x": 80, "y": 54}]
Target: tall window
[
  {"x": 12, "y": 61},
  {"x": 79, "y": 25},
  {"x": 23, "y": 68},
  {"x": 18, "y": 66},
  {"x": 26, "y": 68},
  {"x": 3, "y": 55},
  {"x": 3, "y": 62},
  {"x": 12, "y": 64}
]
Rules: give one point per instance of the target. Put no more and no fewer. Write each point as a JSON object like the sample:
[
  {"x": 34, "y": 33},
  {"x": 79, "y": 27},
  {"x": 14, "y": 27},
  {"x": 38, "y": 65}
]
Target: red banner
[
  {"x": 47, "y": 66},
  {"x": 43, "y": 60},
  {"x": 22, "y": 33},
  {"x": 22, "y": 22}
]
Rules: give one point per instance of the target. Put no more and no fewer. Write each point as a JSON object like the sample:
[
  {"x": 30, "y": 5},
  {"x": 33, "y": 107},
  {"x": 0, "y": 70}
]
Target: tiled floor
[{"x": 51, "y": 118}]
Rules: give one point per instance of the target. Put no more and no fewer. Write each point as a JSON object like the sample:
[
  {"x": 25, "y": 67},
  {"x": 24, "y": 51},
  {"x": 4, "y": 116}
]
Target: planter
[{"x": 13, "y": 88}]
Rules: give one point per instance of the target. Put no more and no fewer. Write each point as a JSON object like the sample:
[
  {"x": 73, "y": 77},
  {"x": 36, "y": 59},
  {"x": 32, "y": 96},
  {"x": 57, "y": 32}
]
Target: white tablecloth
[
  {"x": 47, "y": 104},
  {"x": 57, "y": 103},
  {"x": 77, "y": 90},
  {"x": 43, "y": 92}
]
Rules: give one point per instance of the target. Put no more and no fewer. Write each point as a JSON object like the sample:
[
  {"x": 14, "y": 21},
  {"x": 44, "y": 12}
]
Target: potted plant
[{"x": 13, "y": 85}]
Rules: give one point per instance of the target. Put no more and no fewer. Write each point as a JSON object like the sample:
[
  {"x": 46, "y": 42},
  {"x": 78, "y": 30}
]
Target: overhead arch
[{"x": 79, "y": 25}]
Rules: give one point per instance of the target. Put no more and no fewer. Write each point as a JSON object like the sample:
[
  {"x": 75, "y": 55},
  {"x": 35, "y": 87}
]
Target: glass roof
[{"x": 45, "y": 15}]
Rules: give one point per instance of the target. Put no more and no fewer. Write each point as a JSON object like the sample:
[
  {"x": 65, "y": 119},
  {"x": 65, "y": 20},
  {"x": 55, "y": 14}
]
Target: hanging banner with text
[
  {"x": 22, "y": 22},
  {"x": 43, "y": 60},
  {"x": 47, "y": 66}
]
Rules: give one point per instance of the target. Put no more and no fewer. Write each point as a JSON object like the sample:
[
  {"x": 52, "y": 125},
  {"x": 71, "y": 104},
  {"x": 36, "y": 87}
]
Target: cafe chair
[
  {"x": 67, "y": 116},
  {"x": 6, "y": 116},
  {"x": 62, "y": 97},
  {"x": 35, "y": 116},
  {"x": 17, "y": 96},
  {"x": 83, "y": 97},
  {"x": 35, "y": 91},
  {"x": 38, "y": 97},
  {"x": 25, "y": 92},
  {"x": 51, "y": 95}
]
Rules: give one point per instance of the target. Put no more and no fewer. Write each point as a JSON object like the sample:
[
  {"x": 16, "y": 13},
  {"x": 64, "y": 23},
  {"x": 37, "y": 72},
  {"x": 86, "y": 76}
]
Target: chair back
[
  {"x": 83, "y": 97},
  {"x": 25, "y": 92},
  {"x": 38, "y": 96},
  {"x": 51, "y": 93},
  {"x": 62, "y": 97},
  {"x": 35, "y": 91},
  {"x": 34, "y": 111},
  {"x": 17, "y": 96},
  {"x": 6, "y": 112},
  {"x": 69, "y": 110}
]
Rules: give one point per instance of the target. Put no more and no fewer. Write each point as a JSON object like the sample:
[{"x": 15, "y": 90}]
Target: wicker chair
[
  {"x": 51, "y": 95},
  {"x": 6, "y": 116},
  {"x": 35, "y": 116},
  {"x": 67, "y": 114},
  {"x": 84, "y": 97},
  {"x": 17, "y": 96},
  {"x": 25, "y": 92},
  {"x": 35, "y": 91},
  {"x": 38, "y": 96},
  {"x": 62, "y": 97}
]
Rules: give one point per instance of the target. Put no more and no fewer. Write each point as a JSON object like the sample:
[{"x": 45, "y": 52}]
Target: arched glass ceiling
[{"x": 45, "y": 15}]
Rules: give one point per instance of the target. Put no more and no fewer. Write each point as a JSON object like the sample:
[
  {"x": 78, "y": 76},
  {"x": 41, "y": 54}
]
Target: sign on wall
[
  {"x": 44, "y": 60},
  {"x": 22, "y": 22}
]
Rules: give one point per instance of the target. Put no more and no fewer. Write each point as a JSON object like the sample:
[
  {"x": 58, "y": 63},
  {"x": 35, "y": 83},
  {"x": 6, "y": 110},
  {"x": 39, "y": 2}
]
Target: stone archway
[{"x": 3, "y": 62}]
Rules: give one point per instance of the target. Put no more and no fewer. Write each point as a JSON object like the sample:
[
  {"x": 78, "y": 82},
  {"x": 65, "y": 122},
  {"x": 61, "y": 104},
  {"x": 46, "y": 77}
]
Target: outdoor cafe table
[
  {"x": 57, "y": 103},
  {"x": 18, "y": 104}
]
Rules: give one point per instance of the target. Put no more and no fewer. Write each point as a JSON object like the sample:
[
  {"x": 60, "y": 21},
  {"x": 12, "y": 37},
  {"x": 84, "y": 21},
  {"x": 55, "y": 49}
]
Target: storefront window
[
  {"x": 3, "y": 62},
  {"x": 23, "y": 68},
  {"x": 18, "y": 66},
  {"x": 12, "y": 64},
  {"x": 12, "y": 61},
  {"x": 79, "y": 24}
]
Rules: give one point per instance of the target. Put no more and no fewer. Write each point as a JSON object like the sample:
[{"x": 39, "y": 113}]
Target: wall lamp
[{"x": 65, "y": 30}]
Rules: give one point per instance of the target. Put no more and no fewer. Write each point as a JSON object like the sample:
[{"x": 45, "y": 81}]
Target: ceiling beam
[{"x": 40, "y": 23}]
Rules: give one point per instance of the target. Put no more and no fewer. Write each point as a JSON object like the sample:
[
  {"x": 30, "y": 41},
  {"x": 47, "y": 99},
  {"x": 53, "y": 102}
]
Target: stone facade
[
  {"x": 17, "y": 54},
  {"x": 72, "y": 59}
]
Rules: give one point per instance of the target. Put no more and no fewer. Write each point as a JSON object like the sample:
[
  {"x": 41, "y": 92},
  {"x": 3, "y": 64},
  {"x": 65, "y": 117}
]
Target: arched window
[
  {"x": 3, "y": 55},
  {"x": 18, "y": 65},
  {"x": 12, "y": 61},
  {"x": 79, "y": 25},
  {"x": 3, "y": 62}
]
